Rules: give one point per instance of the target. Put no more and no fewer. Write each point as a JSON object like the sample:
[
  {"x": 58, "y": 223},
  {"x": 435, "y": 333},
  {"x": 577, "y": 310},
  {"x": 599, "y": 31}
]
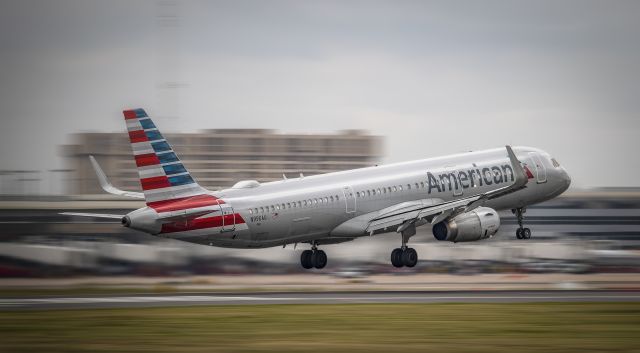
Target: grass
[{"x": 536, "y": 327}]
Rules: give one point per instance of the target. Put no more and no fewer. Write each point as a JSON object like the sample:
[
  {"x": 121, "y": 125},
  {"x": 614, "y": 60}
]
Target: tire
[
  {"x": 319, "y": 259},
  {"x": 396, "y": 258},
  {"x": 526, "y": 233},
  {"x": 519, "y": 233},
  {"x": 410, "y": 257},
  {"x": 305, "y": 259}
]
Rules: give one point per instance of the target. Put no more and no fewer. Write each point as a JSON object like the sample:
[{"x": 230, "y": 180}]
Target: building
[{"x": 220, "y": 158}]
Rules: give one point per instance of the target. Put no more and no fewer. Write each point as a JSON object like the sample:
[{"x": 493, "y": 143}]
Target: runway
[{"x": 146, "y": 300}]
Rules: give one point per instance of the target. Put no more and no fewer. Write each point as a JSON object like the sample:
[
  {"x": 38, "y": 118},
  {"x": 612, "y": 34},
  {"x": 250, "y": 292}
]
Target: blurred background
[{"x": 255, "y": 90}]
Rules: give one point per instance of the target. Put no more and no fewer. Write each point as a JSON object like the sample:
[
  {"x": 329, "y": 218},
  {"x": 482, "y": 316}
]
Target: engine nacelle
[{"x": 481, "y": 223}]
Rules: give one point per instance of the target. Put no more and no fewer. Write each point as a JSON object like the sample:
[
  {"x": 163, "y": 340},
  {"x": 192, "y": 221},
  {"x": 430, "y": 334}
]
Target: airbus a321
[{"x": 458, "y": 196}]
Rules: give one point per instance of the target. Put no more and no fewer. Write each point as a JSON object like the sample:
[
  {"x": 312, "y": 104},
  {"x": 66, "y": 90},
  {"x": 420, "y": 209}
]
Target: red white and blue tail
[{"x": 162, "y": 176}]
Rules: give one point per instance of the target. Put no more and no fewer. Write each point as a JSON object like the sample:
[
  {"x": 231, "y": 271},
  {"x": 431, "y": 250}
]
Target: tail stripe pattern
[{"x": 162, "y": 176}]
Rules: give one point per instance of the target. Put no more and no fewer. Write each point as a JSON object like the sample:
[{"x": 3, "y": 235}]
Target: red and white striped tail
[{"x": 162, "y": 176}]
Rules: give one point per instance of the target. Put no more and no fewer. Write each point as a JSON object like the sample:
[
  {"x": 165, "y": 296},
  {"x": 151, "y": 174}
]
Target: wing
[
  {"x": 410, "y": 212},
  {"x": 106, "y": 185}
]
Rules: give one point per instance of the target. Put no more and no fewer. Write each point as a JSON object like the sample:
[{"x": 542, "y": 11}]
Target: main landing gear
[
  {"x": 521, "y": 233},
  {"x": 313, "y": 258},
  {"x": 404, "y": 255}
]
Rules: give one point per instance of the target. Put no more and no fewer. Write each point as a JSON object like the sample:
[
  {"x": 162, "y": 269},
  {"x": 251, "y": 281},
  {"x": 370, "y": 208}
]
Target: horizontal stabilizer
[
  {"x": 95, "y": 215},
  {"x": 106, "y": 185}
]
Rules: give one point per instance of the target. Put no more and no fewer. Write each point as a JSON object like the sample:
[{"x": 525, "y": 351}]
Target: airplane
[{"x": 457, "y": 195}]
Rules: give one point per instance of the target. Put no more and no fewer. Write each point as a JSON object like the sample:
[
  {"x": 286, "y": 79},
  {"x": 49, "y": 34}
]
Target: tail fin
[{"x": 162, "y": 175}]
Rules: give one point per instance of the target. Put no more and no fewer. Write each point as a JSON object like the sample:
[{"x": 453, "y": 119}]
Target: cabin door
[
  {"x": 228, "y": 218},
  {"x": 540, "y": 170},
  {"x": 349, "y": 199}
]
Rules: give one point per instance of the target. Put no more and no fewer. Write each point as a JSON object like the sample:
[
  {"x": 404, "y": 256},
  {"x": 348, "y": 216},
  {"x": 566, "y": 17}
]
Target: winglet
[
  {"x": 520, "y": 181},
  {"x": 518, "y": 171},
  {"x": 106, "y": 185}
]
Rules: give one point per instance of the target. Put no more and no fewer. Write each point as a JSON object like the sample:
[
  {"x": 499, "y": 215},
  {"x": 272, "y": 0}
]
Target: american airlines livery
[{"x": 456, "y": 195}]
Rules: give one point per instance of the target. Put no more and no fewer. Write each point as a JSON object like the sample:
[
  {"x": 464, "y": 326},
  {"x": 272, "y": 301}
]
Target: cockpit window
[{"x": 555, "y": 163}]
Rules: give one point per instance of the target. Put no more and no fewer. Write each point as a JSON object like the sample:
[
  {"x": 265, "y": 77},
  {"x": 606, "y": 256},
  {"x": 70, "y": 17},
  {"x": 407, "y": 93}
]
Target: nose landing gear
[{"x": 521, "y": 233}]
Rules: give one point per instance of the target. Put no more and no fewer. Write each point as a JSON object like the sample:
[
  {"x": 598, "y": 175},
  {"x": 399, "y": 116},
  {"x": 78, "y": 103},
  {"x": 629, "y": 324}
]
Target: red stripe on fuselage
[
  {"x": 144, "y": 160},
  {"x": 184, "y": 203},
  {"x": 200, "y": 223},
  {"x": 129, "y": 114},
  {"x": 137, "y": 136},
  {"x": 158, "y": 182}
]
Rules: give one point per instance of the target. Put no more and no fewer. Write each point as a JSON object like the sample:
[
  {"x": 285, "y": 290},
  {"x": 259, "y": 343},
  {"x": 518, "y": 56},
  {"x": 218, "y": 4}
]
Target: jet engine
[{"x": 481, "y": 223}]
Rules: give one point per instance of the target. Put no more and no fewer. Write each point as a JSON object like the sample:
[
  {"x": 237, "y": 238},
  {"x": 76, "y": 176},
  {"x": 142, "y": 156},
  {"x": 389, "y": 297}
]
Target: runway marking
[{"x": 38, "y": 302}]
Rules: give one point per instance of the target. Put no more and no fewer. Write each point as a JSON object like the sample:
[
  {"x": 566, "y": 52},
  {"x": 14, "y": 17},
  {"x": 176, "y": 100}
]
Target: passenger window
[
  {"x": 373, "y": 192},
  {"x": 250, "y": 211},
  {"x": 337, "y": 198},
  {"x": 358, "y": 194},
  {"x": 315, "y": 201},
  {"x": 288, "y": 205},
  {"x": 395, "y": 189},
  {"x": 422, "y": 184},
  {"x": 305, "y": 203},
  {"x": 408, "y": 186},
  {"x": 277, "y": 207},
  {"x": 379, "y": 191},
  {"x": 261, "y": 210},
  {"x": 331, "y": 198},
  {"x": 400, "y": 187},
  {"x": 326, "y": 200}
]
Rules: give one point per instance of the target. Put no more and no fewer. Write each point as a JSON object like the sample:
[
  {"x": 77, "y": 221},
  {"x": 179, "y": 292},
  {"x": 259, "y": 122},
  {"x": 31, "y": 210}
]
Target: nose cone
[{"x": 566, "y": 180}]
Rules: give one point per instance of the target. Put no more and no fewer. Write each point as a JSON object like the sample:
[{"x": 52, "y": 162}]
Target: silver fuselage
[{"x": 312, "y": 208}]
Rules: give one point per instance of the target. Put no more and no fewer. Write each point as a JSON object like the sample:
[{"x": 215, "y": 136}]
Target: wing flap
[{"x": 428, "y": 208}]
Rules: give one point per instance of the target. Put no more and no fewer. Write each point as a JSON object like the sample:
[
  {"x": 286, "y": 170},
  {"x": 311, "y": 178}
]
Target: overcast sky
[{"x": 432, "y": 77}]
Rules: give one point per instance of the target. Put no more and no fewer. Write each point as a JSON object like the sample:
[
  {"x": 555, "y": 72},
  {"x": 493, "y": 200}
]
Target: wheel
[
  {"x": 526, "y": 233},
  {"x": 319, "y": 259},
  {"x": 519, "y": 233},
  {"x": 409, "y": 257},
  {"x": 396, "y": 257},
  {"x": 305, "y": 259}
]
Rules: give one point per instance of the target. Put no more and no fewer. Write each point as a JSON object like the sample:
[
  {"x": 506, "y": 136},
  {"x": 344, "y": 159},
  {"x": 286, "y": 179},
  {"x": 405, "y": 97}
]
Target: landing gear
[
  {"x": 306, "y": 259},
  {"x": 404, "y": 255},
  {"x": 313, "y": 258},
  {"x": 396, "y": 257},
  {"x": 521, "y": 232}
]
